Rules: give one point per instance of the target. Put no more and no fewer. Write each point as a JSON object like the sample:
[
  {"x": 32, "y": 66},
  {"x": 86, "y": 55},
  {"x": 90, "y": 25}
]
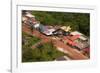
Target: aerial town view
[{"x": 55, "y": 36}]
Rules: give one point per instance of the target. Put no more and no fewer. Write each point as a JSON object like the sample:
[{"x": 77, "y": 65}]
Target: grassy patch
[{"x": 27, "y": 42}]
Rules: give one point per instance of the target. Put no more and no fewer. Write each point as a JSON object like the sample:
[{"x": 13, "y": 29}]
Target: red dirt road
[{"x": 74, "y": 54}]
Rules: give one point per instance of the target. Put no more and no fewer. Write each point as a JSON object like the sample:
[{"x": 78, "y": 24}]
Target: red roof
[
  {"x": 87, "y": 50},
  {"x": 75, "y": 37},
  {"x": 70, "y": 42}
]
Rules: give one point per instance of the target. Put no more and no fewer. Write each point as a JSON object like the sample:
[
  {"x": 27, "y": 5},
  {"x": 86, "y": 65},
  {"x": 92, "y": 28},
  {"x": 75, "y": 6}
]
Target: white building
[
  {"x": 37, "y": 25},
  {"x": 49, "y": 31},
  {"x": 29, "y": 15},
  {"x": 78, "y": 33}
]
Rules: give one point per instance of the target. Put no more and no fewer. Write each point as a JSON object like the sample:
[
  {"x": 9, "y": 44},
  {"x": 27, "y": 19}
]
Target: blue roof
[{"x": 42, "y": 28}]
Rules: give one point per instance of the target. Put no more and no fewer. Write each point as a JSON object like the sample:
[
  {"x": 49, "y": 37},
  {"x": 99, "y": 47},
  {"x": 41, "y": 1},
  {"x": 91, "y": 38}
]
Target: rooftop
[
  {"x": 29, "y": 14},
  {"x": 80, "y": 34},
  {"x": 68, "y": 28}
]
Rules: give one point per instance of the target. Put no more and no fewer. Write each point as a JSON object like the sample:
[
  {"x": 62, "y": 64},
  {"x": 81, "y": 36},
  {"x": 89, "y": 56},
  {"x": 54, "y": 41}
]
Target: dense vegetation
[
  {"x": 27, "y": 42},
  {"x": 78, "y": 21},
  {"x": 44, "y": 52}
]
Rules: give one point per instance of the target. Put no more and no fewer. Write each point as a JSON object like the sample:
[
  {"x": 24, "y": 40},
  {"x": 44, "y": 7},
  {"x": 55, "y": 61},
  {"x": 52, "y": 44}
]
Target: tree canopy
[{"x": 44, "y": 52}]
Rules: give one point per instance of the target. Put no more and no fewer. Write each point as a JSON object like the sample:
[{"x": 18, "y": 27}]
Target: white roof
[
  {"x": 83, "y": 38},
  {"x": 37, "y": 25},
  {"x": 30, "y": 15},
  {"x": 49, "y": 31},
  {"x": 76, "y": 33},
  {"x": 24, "y": 18}
]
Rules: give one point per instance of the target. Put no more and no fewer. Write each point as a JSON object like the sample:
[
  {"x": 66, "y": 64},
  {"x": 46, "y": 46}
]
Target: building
[
  {"x": 29, "y": 19},
  {"x": 37, "y": 25},
  {"x": 75, "y": 41},
  {"x": 28, "y": 14},
  {"x": 68, "y": 41},
  {"x": 60, "y": 32},
  {"x": 48, "y": 30},
  {"x": 24, "y": 18},
  {"x": 82, "y": 37},
  {"x": 73, "y": 37},
  {"x": 81, "y": 44},
  {"x": 68, "y": 28}
]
